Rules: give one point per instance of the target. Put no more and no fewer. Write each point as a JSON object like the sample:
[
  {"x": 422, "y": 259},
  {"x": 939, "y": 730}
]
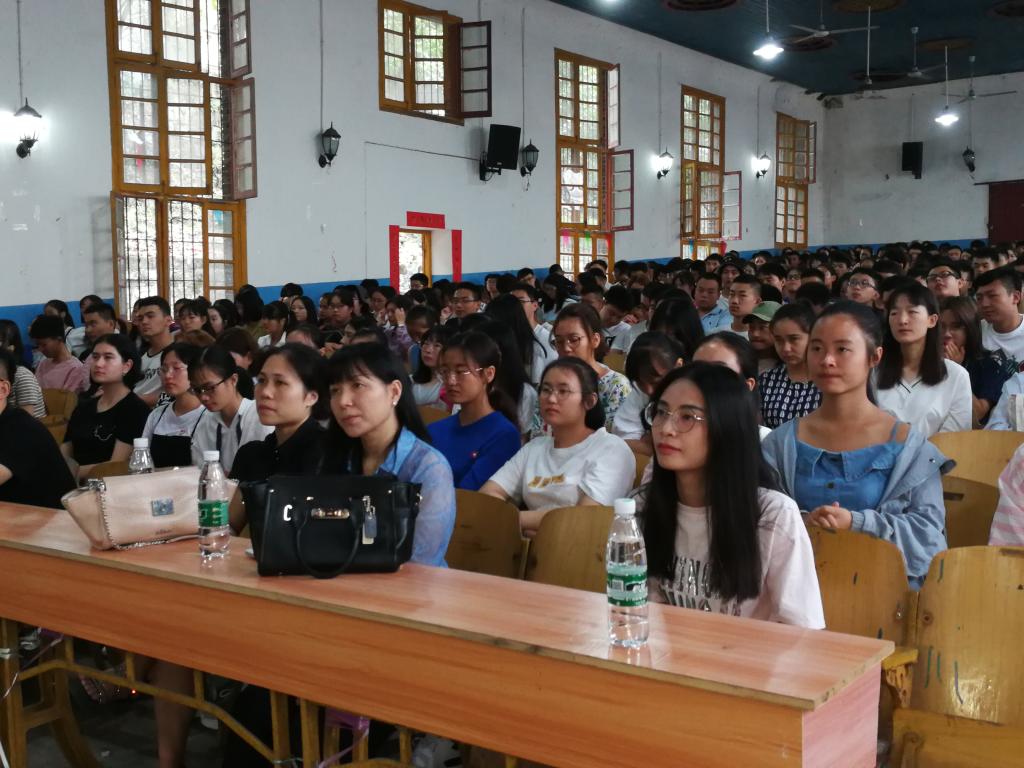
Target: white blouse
[{"x": 944, "y": 407}]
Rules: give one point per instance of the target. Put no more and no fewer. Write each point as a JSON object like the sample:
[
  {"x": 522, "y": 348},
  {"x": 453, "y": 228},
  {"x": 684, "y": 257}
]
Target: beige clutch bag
[{"x": 136, "y": 510}]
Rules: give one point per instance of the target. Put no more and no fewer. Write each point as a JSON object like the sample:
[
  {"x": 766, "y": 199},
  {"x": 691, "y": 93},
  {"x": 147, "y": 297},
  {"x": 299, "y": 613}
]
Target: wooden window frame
[
  {"x": 738, "y": 206},
  {"x": 578, "y": 258},
  {"x": 693, "y": 225},
  {"x": 685, "y": 91},
  {"x": 787, "y": 168},
  {"x": 691, "y": 199},
  {"x": 156, "y": 56},
  {"x": 781, "y": 240},
  {"x": 699, "y": 250}
]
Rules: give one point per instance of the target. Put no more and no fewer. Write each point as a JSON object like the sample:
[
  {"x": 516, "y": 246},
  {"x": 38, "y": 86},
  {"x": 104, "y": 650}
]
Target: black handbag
[{"x": 326, "y": 525}]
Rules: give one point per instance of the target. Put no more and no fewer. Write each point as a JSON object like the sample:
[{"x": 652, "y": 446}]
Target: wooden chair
[
  {"x": 970, "y": 507},
  {"x": 487, "y": 536},
  {"x": 58, "y": 431},
  {"x": 615, "y": 360},
  {"x": 429, "y": 414},
  {"x": 568, "y": 550},
  {"x": 60, "y": 404},
  {"x": 967, "y": 704},
  {"x": 642, "y": 460},
  {"x": 979, "y": 454},
  {"x": 108, "y": 469}
]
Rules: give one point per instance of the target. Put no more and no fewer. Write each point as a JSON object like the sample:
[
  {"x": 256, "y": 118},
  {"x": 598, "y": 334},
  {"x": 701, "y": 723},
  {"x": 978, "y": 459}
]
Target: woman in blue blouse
[
  {"x": 377, "y": 430},
  {"x": 481, "y": 437},
  {"x": 849, "y": 464}
]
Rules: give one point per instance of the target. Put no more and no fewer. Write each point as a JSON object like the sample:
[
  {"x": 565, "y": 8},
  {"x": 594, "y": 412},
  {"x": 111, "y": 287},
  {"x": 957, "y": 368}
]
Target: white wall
[
  {"x": 313, "y": 225},
  {"x": 869, "y": 199}
]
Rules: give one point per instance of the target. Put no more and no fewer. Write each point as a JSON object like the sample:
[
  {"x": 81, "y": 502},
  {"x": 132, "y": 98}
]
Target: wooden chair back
[
  {"x": 568, "y": 550},
  {"x": 970, "y": 621},
  {"x": 429, "y": 414},
  {"x": 980, "y": 455},
  {"x": 108, "y": 469},
  {"x": 60, "y": 403},
  {"x": 970, "y": 506},
  {"x": 615, "y": 360},
  {"x": 642, "y": 460},
  {"x": 863, "y": 583},
  {"x": 487, "y": 536},
  {"x": 58, "y": 431}
]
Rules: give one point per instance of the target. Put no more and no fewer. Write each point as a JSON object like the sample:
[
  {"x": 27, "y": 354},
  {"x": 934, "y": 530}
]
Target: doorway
[
  {"x": 1006, "y": 211},
  {"x": 413, "y": 256}
]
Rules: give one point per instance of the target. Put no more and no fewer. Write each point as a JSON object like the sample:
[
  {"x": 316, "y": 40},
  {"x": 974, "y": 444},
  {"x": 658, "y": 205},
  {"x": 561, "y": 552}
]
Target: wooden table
[{"x": 517, "y": 667}]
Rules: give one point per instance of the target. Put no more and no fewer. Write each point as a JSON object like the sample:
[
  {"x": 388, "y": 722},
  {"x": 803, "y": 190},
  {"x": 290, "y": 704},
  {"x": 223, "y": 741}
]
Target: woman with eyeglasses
[
  {"x": 427, "y": 385},
  {"x": 720, "y": 538},
  {"x": 104, "y": 428},
  {"x": 577, "y": 332},
  {"x": 230, "y": 420},
  {"x": 481, "y": 437},
  {"x": 578, "y": 463},
  {"x": 170, "y": 427}
]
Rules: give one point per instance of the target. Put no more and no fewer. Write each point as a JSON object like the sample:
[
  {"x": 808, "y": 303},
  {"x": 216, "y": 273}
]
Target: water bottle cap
[
  {"x": 141, "y": 442},
  {"x": 211, "y": 455},
  {"x": 625, "y": 507}
]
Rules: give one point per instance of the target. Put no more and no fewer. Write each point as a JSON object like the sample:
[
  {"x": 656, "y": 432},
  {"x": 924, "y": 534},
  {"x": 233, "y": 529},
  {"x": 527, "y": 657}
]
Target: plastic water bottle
[
  {"x": 626, "y": 563},
  {"x": 214, "y": 532},
  {"x": 141, "y": 462}
]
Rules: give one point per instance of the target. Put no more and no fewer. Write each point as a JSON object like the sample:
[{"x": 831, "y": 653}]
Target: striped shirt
[
  {"x": 1008, "y": 523},
  {"x": 27, "y": 392}
]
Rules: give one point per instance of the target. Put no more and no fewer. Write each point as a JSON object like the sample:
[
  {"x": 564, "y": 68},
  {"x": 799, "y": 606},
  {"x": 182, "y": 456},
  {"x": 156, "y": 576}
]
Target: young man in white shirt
[
  {"x": 997, "y": 293},
  {"x": 744, "y": 296},
  {"x": 154, "y": 320}
]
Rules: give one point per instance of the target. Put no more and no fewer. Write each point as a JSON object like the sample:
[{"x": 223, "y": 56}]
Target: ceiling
[{"x": 991, "y": 30}]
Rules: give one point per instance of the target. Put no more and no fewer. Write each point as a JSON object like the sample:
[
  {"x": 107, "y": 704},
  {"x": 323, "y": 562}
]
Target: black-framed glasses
[
  {"x": 207, "y": 389},
  {"x": 940, "y": 276},
  {"x": 684, "y": 419}
]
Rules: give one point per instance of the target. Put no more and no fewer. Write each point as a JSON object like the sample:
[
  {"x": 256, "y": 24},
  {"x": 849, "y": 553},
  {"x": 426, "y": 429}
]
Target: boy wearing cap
[{"x": 760, "y": 335}]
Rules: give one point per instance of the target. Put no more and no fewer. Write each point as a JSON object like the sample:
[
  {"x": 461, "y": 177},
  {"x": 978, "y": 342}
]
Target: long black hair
[
  {"x": 651, "y": 351},
  {"x": 512, "y": 377},
  {"x": 734, "y": 471},
  {"x": 439, "y": 334},
  {"x": 63, "y": 311},
  {"x": 594, "y": 418},
  {"x": 966, "y": 313},
  {"x": 249, "y": 306},
  {"x": 312, "y": 316},
  {"x": 484, "y": 352},
  {"x": 228, "y": 313},
  {"x": 128, "y": 353},
  {"x": 679, "y": 319},
  {"x": 10, "y": 336},
  {"x": 507, "y": 309},
  {"x": 310, "y": 368},
  {"x": 933, "y": 363},
  {"x": 375, "y": 361},
  {"x": 219, "y": 360}
]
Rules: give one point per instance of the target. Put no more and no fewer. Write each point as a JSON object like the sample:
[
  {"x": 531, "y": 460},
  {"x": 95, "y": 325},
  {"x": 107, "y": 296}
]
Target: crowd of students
[{"x": 766, "y": 390}]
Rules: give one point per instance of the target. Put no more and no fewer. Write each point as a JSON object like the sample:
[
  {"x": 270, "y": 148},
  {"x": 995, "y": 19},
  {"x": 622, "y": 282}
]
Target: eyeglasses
[
  {"x": 683, "y": 419},
  {"x": 940, "y": 276},
  {"x": 207, "y": 389},
  {"x": 170, "y": 370},
  {"x": 560, "y": 393},
  {"x": 566, "y": 341},
  {"x": 861, "y": 284},
  {"x": 447, "y": 374}
]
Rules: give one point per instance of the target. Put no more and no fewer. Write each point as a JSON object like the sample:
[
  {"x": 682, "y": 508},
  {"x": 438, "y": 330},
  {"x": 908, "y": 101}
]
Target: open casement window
[
  {"x": 243, "y": 141},
  {"x": 162, "y": 32},
  {"x": 577, "y": 248},
  {"x": 177, "y": 248},
  {"x": 475, "y": 68},
  {"x": 701, "y": 209},
  {"x": 239, "y": 33},
  {"x": 790, "y": 215},
  {"x": 732, "y": 205},
  {"x": 698, "y": 250},
  {"x": 620, "y": 190},
  {"x": 703, "y": 126},
  {"x": 581, "y": 187},
  {"x": 795, "y": 149},
  {"x": 614, "y": 108},
  {"x": 582, "y": 91}
]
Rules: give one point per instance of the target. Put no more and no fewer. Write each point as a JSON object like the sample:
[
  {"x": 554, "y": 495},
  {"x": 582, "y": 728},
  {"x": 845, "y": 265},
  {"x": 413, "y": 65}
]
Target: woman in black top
[{"x": 103, "y": 429}]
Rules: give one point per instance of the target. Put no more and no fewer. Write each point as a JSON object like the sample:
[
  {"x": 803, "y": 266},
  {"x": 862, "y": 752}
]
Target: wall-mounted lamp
[
  {"x": 762, "y": 165},
  {"x": 27, "y": 122},
  {"x": 969, "y": 159},
  {"x": 664, "y": 163},
  {"x": 529, "y": 156},
  {"x": 330, "y": 140}
]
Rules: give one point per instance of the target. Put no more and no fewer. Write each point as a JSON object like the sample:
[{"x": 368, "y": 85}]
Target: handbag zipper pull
[{"x": 369, "y": 521}]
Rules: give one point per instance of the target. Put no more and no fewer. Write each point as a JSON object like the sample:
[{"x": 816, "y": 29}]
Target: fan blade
[
  {"x": 803, "y": 29},
  {"x": 802, "y": 39},
  {"x": 1000, "y": 93},
  {"x": 850, "y": 29},
  {"x": 929, "y": 69},
  {"x": 962, "y": 96}
]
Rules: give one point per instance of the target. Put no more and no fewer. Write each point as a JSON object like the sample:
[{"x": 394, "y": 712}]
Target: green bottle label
[
  {"x": 627, "y": 585},
  {"x": 213, "y": 514}
]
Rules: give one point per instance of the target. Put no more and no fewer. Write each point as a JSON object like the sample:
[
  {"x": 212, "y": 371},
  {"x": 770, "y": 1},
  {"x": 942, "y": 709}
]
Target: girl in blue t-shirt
[{"x": 482, "y": 436}]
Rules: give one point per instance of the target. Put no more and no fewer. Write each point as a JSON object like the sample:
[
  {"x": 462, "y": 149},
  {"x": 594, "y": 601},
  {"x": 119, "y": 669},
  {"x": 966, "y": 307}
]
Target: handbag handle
[{"x": 316, "y": 572}]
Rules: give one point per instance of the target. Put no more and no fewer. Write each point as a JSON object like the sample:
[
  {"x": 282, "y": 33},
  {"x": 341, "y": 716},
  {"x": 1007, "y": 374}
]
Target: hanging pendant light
[
  {"x": 27, "y": 121},
  {"x": 770, "y": 48},
  {"x": 947, "y": 116}
]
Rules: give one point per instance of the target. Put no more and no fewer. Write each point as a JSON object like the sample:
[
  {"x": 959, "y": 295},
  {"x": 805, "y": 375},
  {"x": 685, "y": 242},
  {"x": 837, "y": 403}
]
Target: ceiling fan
[
  {"x": 867, "y": 90},
  {"x": 971, "y": 95},
  {"x": 916, "y": 72},
  {"x": 822, "y": 31}
]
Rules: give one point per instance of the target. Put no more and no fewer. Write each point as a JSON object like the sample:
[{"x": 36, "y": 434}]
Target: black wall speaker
[{"x": 913, "y": 157}]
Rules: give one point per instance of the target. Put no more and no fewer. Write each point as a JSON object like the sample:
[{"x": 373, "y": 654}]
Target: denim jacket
[{"x": 911, "y": 514}]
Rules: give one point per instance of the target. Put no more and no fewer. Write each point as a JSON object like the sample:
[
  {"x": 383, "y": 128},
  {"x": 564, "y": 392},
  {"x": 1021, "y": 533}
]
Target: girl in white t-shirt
[
  {"x": 719, "y": 539},
  {"x": 579, "y": 463}
]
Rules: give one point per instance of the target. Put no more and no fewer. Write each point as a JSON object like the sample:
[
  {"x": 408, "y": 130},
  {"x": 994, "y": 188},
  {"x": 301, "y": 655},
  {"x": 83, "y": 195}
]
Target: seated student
[
  {"x": 1008, "y": 523},
  {"x": 677, "y": 317},
  {"x": 419, "y": 282},
  {"x": 231, "y": 420},
  {"x": 915, "y": 382},
  {"x": 577, "y": 333},
  {"x": 427, "y": 386},
  {"x": 194, "y": 315},
  {"x": 99, "y": 320},
  {"x": 511, "y": 377},
  {"x": 961, "y": 340},
  {"x": 74, "y": 337},
  {"x": 241, "y": 345},
  {"x": 420, "y": 319},
  {"x": 744, "y": 296},
  {"x": 773, "y": 274},
  {"x": 379, "y": 297},
  {"x": 707, "y": 298},
  {"x": 170, "y": 426},
  {"x": 104, "y": 428},
  {"x": 58, "y": 369},
  {"x": 882, "y": 478},
  {"x": 26, "y": 392},
  {"x": 652, "y": 356},
  {"x": 618, "y": 303},
  {"x": 579, "y": 463},
  {"x": 222, "y": 315},
  {"x": 377, "y": 430},
  {"x": 736, "y": 354},
  {"x": 154, "y": 324},
  {"x": 944, "y": 279},
  {"x": 541, "y": 354},
  {"x": 32, "y": 470},
  {"x": 759, "y": 332},
  {"x": 1005, "y": 414},
  {"x": 274, "y": 320},
  {"x": 862, "y": 287},
  {"x": 396, "y": 332},
  {"x": 998, "y": 294},
  {"x": 720, "y": 537},
  {"x": 787, "y": 391},
  {"x": 301, "y": 311},
  {"x": 482, "y": 436},
  {"x": 308, "y": 334},
  {"x": 250, "y": 311},
  {"x": 815, "y": 296}
]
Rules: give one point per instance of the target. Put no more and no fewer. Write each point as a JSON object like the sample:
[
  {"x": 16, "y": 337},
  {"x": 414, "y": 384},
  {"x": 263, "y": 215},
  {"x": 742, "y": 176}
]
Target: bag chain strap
[{"x": 101, "y": 490}]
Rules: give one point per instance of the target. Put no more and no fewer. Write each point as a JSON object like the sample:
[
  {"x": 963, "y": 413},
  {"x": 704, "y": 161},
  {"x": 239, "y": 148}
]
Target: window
[
  {"x": 790, "y": 215},
  {"x": 594, "y": 181},
  {"x": 732, "y": 205},
  {"x": 413, "y": 256},
  {"x": 183, "y": 146},
  {"x": 432, "y": 64},
  {"x": 796, "y": 161},
  {"x": 701, "y": 178}
]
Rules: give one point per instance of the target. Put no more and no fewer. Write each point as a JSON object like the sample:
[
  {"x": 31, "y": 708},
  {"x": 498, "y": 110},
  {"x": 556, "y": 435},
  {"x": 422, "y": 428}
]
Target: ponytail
[{"x": 484, "y": 353}]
